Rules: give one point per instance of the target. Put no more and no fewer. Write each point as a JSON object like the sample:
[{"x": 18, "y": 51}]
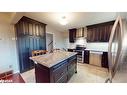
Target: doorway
[{"x": 49, "y": 42}]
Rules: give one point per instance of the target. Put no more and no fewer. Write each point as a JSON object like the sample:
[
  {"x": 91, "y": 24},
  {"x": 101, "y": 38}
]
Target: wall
[
  {"x": 58, "y": 40},
  {"x": 8, "y": 56}
]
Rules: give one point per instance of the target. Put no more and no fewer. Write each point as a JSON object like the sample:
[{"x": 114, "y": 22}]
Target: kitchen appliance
[
  {"x": 116, "y": 52},
  {"x": 80, "y": 50}
]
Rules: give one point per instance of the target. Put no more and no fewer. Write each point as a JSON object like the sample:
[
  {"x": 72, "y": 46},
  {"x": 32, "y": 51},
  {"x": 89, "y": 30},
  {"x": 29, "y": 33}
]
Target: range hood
[{"x": 80, "y": 32}]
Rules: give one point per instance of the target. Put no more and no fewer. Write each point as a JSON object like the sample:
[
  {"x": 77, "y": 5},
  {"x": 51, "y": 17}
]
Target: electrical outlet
[{"x": 10, "y": 66}]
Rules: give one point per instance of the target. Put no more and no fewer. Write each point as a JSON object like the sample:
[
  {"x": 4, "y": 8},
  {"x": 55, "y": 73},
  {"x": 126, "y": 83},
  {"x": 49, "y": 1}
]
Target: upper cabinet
[
  {"x": 30, "y": 27},
  {"x": 72, "y": 35},
  {"x": 99, "y": 32},
  {"x": 77, "y": 33}
]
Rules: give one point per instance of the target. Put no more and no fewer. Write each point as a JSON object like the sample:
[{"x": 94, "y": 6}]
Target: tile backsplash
[{"x": 98, "y": 46}]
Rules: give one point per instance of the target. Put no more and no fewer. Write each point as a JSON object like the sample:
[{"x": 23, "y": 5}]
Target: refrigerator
[{"x": 117, "y": 52}]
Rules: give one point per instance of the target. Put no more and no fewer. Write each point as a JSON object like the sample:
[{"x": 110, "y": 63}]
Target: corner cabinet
[
  {"x": 72, "y": 35},
  {"x": 99, "y": 32},
  {"x": 31, "y": 35}
]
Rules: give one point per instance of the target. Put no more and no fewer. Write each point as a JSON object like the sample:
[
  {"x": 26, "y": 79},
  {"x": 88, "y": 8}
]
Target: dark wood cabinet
[
  {"x": 60, "y": 73},
  {"x": 99, "y": 32},
  {"x": 104, "y": 60},
  {"x": 72, "y": 35},
  {"x": 86, "y": 56},
  {"x": 31, "y": 35}
]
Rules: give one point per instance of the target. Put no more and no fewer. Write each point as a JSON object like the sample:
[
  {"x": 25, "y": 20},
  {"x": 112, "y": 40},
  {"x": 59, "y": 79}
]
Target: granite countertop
[{"x": 52, "y": 59}]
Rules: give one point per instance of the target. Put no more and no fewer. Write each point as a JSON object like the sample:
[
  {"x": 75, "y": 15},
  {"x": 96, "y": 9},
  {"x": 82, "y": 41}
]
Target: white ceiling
[{"x": 75, "y": 19}]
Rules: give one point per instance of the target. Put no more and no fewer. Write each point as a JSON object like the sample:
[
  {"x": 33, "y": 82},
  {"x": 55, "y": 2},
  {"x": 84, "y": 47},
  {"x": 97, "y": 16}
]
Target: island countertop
[{"x": 52, "y": 59}]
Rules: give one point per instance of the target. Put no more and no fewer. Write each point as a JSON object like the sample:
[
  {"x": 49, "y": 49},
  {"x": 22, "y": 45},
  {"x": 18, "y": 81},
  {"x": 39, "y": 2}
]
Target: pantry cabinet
[{"x": 31, "y": 35}]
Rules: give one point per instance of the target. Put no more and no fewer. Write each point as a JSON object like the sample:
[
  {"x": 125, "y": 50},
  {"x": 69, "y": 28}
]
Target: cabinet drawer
[
  {"x": 59, "y": 71},
  {"x": 63, "y": 79},
  {"x": 72, "y": 64},
  {"x": 71, "y": 71}
]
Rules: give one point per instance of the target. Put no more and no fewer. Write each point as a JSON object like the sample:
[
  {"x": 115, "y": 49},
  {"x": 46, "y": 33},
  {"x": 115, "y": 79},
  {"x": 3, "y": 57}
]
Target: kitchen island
[{"x": 56, "y": 67}]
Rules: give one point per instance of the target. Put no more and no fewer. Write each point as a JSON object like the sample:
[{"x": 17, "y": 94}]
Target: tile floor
[
  {"x": 89, "y": 74},
  {"x": 85, "y": 74}
]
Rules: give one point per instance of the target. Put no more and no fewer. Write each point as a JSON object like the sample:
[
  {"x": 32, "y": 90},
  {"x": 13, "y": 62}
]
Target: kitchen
[{"x": 79, "y": 51}]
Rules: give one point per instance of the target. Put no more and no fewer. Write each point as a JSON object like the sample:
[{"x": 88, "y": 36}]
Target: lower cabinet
[
  {"x": 86, "y": 56},
  {"x": 104, "y": 60},
  {"x": 59, "y": 73}
]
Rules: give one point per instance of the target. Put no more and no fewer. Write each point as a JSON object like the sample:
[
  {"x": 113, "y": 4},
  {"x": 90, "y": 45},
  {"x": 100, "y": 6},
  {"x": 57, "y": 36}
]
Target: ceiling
[{"x": 75, "y": 19}]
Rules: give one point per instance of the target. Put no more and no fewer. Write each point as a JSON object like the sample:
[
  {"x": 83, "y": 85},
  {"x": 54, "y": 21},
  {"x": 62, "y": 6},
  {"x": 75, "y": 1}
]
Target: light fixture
[{"x": 63, "y": 20}]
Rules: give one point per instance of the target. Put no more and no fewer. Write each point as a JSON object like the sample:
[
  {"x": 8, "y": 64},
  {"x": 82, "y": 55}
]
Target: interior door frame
[{"x": 46, "y": 40}]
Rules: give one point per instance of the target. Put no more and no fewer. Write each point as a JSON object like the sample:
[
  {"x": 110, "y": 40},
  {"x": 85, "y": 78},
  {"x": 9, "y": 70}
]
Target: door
[
  {"x": 49, "y": 42},
  {"x": 115, "y": 48}
]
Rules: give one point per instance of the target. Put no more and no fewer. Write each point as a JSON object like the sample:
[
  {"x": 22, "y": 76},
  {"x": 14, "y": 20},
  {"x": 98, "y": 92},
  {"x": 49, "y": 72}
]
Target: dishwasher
[{"x": 95, "y": 58}]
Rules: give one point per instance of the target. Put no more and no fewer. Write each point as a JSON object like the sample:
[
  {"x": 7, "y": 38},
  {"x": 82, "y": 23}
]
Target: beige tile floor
[{"x": 85, "y": 74}]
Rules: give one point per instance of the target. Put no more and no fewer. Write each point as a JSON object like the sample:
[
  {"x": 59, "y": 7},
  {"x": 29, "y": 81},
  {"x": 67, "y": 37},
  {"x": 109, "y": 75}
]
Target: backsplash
[
  {"x": 98, "y": 46},
  {"x": 79, "y": 41}
]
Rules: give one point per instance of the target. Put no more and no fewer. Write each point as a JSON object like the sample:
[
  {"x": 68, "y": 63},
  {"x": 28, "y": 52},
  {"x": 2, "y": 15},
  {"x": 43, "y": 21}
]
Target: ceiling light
[{"x": 63, "y": 20}]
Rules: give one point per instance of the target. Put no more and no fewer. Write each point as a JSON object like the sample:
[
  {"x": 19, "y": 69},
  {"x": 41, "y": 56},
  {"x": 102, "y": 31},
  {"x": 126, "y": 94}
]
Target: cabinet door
[
  {"x": 72, "y": 66},
  {"x": 72, "y": 35},
  {"x": 30, "y": 27},
  {"x": 86, "y": 56},
  {"x": 104, "y": 60},
  {"x": 90, "y": 35},
  {"x": 23, "y": 53}
]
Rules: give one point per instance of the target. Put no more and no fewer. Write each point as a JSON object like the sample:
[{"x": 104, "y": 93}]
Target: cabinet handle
[{"x": 62, "y": 73}]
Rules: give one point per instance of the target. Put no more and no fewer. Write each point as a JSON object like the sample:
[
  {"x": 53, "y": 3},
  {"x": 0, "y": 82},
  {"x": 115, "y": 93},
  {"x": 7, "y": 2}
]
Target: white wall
[
  {"x": 8, "y": 53},
  {"x": 58, "y": 40}
]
